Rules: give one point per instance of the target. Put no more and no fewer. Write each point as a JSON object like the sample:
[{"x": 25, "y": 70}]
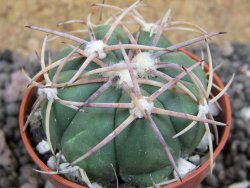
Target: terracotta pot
[{"x": 190, "y": 181}]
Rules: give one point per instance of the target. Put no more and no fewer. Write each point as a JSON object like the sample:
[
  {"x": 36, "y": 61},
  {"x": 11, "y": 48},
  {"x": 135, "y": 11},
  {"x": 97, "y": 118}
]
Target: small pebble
[
  {"x": 12, "y": 109},
  {"x": 12, "y": 121},
  {"x": 51, "y": 163},
  {"x": 183, "y": 167},
  {"x": 2, "y": 114},
  {"x": 4, "y": 77},
  {"x": 242, "y": 184},
  {"x": 48, "y": 185},
  {"x": 6, "y": 56},
  {"x": 96, "y": 185},
  {"x": 212, "y": 180},
  {"x": 6, "y": 157},
  {"x": 195, "y": 159},
  {"x": 241, "y": 175},
  {"x": 43, "y": 147},
  {"x": 4, "y": 182},
  {"x": 240, "y": 160},
  {"x": 248, "y": 152},
  {"x": 218, "y": 167},
  {"x": 245, "y": 113},
  {"x": 243, "y": 147},
  {"x": 27, "y": 185},
  {"x": 203, "y": 145},
  {"x": 227, "y": 49},
  {"x": 24, "y": 159},
  {"x": 5, "y": 67}
]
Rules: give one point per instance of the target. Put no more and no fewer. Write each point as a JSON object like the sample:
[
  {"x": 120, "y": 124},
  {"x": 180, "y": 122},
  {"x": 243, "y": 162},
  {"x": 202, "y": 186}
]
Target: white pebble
[
  {"x": 184, "y": 167},
  {"x": 64, "y": 166},
  {"x": 185, "y": 156},
  {"x": 203, "y": 145},
  {"x": 247, "y": 73},
  {"x": 43, "y": 147},
  {"x": 195, "y": 159},
  {"x": 51, "y": 163},
  {"x": 72, "y": 171},
  {"x": 227, "y": 49},
  {"x": 245, "y": 113},
  {"x": 63, "y": 158},
  {"x": 96, "y": 185},
  {"x": 213, "y": 109}
]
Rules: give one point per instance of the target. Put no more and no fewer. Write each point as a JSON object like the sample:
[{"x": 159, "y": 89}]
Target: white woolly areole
[
  {"x": 145, "y": 105},
  {"x": 151, "y": 28},
  {"x": 51, "y": 163},
  {"x": 209, "y": 108},
  {"x": 204, "y": 109},
  {"x": 123, "y": 74},
  {"x": 183, "y": 167},
  {"x": 49, "y": 92},
  {"x": 143, "y": 62},
  {"x": 96, "y": 46},
  {"x": 43, "y": 147}
]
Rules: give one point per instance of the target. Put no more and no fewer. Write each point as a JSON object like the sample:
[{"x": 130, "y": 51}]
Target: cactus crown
[{"x": 131, "y": 100}]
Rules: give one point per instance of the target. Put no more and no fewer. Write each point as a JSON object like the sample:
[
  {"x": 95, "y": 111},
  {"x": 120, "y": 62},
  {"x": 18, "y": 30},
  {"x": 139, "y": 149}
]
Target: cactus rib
[{"x": 105, "y": 141}]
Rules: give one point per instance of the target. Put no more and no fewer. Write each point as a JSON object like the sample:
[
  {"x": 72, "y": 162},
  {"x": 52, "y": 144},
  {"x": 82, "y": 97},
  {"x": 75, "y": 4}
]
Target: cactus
[{"x": 123, "y": 104}]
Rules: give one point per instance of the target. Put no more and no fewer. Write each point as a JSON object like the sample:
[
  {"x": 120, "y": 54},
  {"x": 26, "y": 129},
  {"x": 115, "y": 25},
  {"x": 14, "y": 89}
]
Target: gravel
[
  {"x": 16, "y": 167},
  {"x": 232, "y": 167}
]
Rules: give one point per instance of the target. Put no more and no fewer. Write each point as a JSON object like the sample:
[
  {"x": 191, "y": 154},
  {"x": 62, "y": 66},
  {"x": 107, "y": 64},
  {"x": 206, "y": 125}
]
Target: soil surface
[{"x": 232, "y": 166}]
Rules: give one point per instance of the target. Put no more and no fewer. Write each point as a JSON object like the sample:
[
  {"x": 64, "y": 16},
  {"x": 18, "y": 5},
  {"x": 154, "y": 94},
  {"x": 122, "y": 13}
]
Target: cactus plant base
[{"x": 191, "y": 180}]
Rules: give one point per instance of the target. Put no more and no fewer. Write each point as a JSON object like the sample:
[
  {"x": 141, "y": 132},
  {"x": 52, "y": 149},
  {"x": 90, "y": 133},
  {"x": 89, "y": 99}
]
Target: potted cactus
[{"x": 127, "y": 107}]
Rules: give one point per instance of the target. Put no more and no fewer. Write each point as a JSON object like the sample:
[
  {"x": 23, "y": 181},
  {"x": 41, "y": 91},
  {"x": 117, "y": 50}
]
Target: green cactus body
[{"x": 135, "y": 154}]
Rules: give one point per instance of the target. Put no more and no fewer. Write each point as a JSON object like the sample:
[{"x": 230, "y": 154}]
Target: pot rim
[{"x": 59, "y": 179}]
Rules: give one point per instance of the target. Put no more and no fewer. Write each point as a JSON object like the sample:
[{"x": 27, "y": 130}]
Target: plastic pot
[{"x": 191, "y": 180}]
